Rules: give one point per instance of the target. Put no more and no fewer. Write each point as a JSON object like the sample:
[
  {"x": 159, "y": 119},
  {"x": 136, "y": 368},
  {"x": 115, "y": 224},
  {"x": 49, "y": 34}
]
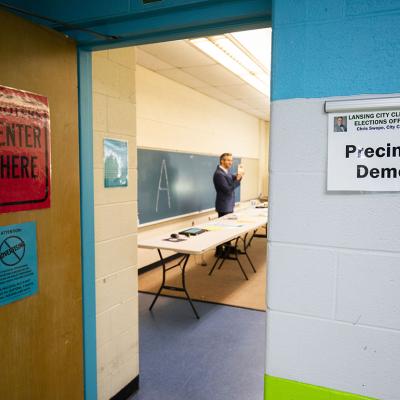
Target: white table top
[{"x": 219, "y": 231}]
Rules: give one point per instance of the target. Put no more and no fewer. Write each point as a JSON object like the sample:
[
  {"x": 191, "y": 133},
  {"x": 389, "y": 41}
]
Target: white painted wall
[
  {"x": 115, "y": 224},
  {"x": 334, "y": 267},
  {"x": 171, "y": 116}
]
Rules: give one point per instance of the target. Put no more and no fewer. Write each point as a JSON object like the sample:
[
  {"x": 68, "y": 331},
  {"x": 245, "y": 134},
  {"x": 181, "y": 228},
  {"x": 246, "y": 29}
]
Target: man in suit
[
  {"x": 225, "y": 184},
  {"x": 340, "y": 126}
]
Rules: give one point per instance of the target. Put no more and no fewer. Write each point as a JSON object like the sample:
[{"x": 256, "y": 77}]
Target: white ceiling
[{"x": 182, "y": 62}]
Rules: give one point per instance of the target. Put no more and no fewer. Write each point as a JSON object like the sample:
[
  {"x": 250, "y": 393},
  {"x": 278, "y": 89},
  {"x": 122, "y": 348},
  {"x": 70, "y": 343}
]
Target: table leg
[
  {"x": 215, "y": 264},
  {"x": 184, "y": 287},
  {"x": 226, "y": 256},
  {"x": 237, "y": 259},
  {"x": 261, "y": 235},
  {"x": 163, "y": 279},
  {"x": 245, "y": 246},
  {"x": 185, "y": 260}
]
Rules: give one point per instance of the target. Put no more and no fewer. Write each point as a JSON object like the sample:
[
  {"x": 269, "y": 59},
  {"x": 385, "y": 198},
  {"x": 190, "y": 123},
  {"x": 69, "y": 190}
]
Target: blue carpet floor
[{"x": 219, "y": 357}]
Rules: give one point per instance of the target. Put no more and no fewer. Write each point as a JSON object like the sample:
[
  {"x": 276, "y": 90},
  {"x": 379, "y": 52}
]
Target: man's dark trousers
[{"x": 220, "y": 249}]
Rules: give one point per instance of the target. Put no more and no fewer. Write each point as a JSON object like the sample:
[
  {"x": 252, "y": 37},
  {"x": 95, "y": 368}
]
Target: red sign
[{"x": 24, "y": 151}]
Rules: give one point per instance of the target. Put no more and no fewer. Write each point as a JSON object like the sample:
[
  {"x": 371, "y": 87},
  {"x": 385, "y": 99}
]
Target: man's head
[
  {"x": 339, "y": 120},
  {"x": 226, "y": 160}
]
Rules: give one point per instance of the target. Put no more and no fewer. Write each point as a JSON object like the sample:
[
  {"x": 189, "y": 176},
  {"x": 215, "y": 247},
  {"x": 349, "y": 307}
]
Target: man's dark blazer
[
  {"x": 225, "y": 185},
  {"x": 340, "y": 128}
]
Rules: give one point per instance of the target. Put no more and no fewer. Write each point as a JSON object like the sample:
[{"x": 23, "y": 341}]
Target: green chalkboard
[{"x": 172, "y": 184}]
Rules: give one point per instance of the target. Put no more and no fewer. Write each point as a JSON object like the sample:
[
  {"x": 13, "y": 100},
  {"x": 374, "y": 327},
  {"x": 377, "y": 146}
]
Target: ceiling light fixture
[
  {"x": 230, "y": 47},
  {"x": 227, "y": 53},
  {"x": 257, "y": 43}
]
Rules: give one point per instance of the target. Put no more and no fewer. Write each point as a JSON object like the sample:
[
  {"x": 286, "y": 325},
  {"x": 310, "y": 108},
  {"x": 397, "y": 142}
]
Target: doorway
[{"x": 88, "y": 198}]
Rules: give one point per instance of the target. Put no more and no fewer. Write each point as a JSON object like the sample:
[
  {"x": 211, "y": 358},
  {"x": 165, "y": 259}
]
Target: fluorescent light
[
  {"x": 258, "y": 43},
  {"x": 219, "y": 55},
  {"x": 237, "y": 54},
  {"x": 234, "y": 59}
]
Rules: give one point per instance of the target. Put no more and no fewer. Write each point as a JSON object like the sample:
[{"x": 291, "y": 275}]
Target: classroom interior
[
  {"x": 175, "y": 99},
  {"x": 332, "y": 322}
]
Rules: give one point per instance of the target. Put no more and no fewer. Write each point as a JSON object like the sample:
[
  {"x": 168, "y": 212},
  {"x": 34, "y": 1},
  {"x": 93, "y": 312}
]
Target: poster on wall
[
  {"x": 24, "y": 151},
  {"x": 18, "y": 262},
  {"x": 115, "y": 163},
  {"x": 364, "y": 151}
]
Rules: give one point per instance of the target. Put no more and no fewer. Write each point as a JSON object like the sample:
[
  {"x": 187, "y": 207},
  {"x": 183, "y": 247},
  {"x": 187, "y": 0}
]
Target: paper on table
[
  {"x": 214, "y": 227},
  {"x": 227, "y": 224}
]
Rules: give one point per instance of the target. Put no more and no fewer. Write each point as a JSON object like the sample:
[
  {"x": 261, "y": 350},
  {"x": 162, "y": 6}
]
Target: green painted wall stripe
[{"x": 284, "y": 389}]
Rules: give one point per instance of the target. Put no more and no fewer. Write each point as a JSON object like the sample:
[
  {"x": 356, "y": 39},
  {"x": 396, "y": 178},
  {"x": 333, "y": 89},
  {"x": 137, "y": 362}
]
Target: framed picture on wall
[{"x": 115, "y": 163}]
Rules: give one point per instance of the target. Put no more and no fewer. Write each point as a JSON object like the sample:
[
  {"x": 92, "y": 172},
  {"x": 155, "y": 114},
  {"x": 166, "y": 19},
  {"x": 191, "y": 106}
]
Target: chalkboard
[{"x": 172, "y": 184}]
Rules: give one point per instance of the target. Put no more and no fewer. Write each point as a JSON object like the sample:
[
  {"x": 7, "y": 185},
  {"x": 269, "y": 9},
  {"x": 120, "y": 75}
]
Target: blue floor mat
[{"x": 219, "y": 357}]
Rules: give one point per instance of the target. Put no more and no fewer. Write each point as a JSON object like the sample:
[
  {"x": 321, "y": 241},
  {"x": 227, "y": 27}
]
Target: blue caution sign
[{"x": 18, "y": 262}]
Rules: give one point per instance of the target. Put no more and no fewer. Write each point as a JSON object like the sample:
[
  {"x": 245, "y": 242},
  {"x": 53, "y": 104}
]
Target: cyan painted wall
[
  {"x": 335, "y": 48},
  {"x": 334, "y": 257}
]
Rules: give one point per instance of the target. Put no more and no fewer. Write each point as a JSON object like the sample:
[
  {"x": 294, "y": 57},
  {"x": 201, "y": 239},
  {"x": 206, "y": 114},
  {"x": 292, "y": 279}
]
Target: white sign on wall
[{"x": 364, "y": 150}]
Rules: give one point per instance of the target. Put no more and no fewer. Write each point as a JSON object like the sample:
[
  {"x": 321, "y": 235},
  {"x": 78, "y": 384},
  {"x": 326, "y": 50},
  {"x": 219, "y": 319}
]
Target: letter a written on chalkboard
[{"x": 163, "y": 186}]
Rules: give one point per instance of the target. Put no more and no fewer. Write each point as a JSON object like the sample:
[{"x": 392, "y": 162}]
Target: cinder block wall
[
  {"x": 115, "y": 224},
  {"x": 334, "y": 258},
  {"x": 172, "y": 116}
]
